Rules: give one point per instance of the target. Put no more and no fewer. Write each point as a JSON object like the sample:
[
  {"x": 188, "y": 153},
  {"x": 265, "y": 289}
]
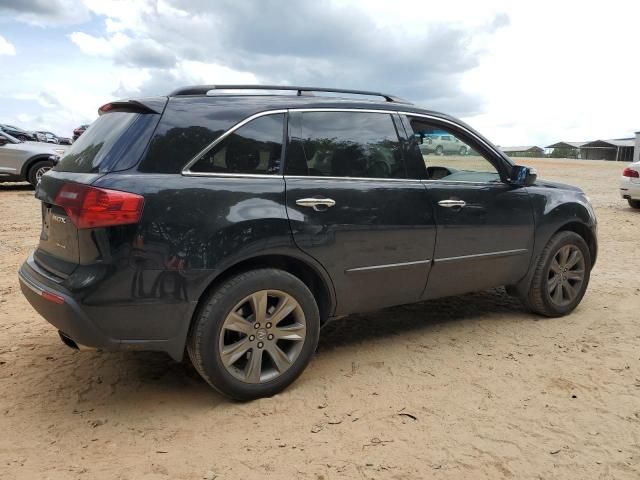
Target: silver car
[
  {"x": 630, "y": 185},
  {"x": 21, "y": 161},
  {"x": 443, "y": 145}
]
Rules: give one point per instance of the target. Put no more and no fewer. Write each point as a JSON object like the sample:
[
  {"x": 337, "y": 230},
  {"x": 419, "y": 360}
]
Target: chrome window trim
[
  {"x": 232, "y": 175},
  {"x": 320, "y": 177},
  {"x": 342, "y": 109},
  {"x": 464, "y": 182},
  {"x": 457, "y": 125},
  {"x": 187, "y": 172},
  {"x": 186, "y": 169},
  {"x": 388, "y": 266}
]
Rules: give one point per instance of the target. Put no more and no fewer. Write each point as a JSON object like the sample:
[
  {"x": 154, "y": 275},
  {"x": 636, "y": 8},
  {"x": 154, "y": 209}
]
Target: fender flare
[{"x": 32, "y": 160}]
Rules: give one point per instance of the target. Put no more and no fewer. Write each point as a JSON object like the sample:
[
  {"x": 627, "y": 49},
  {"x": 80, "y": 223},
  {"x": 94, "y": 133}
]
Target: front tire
[
  {"x": 37, "y": 170},
  {"x": 561, "y": 276},
  {"x": 634, "y": 203},
  {"x": 255, "y": 334}
]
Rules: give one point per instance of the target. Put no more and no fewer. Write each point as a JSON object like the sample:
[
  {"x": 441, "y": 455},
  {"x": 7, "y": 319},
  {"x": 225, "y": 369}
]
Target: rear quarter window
[
  {"x": 115, "y": 141},
  {"x": 187, "y": 127}
]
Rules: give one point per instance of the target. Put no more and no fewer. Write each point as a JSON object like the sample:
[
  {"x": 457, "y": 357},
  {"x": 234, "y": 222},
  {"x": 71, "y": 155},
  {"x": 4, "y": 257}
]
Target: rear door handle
[
  {"x": 316, "y": 203},
  {"x": 452, "y": 203}
]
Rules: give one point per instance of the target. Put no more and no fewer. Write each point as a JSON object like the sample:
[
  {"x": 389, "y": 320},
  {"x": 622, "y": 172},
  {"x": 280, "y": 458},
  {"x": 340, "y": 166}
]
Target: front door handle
[
  {"x": 452, "y": 203},
  {"x": 318, "y": 204}
]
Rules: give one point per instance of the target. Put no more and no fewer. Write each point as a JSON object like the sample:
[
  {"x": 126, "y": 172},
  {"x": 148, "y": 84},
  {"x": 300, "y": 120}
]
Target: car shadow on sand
[
  {"x": 417, "y": 317},
  {"x": 134, "y": 379}
]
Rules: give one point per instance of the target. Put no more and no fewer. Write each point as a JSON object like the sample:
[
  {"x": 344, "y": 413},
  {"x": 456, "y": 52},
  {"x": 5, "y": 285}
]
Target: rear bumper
[
  {"x": 101, "y": 327},
  {"x": 65, "y": 314},
  {"x": 629, "y": 188}
]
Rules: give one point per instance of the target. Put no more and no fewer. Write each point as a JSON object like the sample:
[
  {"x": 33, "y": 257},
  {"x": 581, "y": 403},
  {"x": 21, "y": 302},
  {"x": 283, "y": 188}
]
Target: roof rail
[{"x": 203, "y": 89}]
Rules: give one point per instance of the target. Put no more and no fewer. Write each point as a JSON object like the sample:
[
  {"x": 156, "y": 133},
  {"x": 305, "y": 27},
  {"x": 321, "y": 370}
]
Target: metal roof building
[
  {"x": 617, "y": 149},
  {"x": 523, "y": 151}
]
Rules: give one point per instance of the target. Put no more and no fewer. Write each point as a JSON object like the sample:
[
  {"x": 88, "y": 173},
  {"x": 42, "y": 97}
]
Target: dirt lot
[{"x": 466, "y": 387}]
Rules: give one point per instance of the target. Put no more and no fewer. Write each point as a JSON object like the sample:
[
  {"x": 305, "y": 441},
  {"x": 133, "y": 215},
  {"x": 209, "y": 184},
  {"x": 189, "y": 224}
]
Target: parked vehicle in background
[
  {"x": 79, "y": 131},
  {"x": 442, "y": 145},
  {"x": 630, "y": 184},
  {"x": 233, "y": 226},
  {"x": 64, "y": 140},
  {"x": 18, "y": 133},
  {"x": 47, "y": 137},
  {"x": 21, "y": 161}
]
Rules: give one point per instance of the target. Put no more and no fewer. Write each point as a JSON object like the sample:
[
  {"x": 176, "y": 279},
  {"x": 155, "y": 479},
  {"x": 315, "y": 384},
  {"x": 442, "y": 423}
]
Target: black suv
[{"x": 234, "y": 225}]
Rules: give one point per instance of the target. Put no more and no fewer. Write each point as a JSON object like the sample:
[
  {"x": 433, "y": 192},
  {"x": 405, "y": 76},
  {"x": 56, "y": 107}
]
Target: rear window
[{"x": 115, "y": 141}]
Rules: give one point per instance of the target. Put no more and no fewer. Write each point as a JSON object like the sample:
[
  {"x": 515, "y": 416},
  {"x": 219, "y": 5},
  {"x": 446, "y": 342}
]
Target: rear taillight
[
  {"x": 630, "y": 172},
  {"x": 91, "y": 207}
]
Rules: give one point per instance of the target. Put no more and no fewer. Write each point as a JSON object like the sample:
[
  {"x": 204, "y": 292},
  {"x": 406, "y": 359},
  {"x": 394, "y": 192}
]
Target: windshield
[{"x": 113, "y": 142}]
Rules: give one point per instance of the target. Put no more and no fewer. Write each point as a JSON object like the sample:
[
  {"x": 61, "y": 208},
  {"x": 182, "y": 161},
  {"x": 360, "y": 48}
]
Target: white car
[
  {"x": 630, "y": 184},
  {"x": 21, "y": 161}
]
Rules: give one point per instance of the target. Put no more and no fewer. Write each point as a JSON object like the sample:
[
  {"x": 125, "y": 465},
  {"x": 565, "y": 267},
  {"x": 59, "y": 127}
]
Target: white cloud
[
  {"x": 521, "y": 72},
  {"x": 560, "y": 71},
  {"x": 100, "y": 46},
  {"x": 6, "y": 47},
  {"x": 46, "y": 13}
]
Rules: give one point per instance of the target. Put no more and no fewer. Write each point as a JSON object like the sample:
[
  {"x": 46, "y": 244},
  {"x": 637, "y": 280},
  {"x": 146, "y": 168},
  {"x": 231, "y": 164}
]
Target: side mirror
[{"x": 523, "y": 176}]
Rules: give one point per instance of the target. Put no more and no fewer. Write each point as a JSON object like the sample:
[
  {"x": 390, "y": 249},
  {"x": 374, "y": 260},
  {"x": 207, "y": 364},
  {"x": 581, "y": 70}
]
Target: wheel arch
[
  {"x": 24, "y": 172},
  {"x": 585, "y": 232},
  {"x": 318, "y": 282}
]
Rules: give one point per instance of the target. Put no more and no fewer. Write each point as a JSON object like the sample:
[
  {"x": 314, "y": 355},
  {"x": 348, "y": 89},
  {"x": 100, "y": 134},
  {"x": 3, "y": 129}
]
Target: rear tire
[
  {"x": 37, "y": 170},
  {"x": 634, "y": 203},
  {"x": 229, "y": 342},
  {"x": 561, "y": 276}
]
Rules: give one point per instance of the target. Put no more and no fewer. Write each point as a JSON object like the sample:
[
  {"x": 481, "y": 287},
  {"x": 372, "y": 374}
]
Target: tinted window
[
  {"x": 448, "y": 157},
  {"x": 254, "y": 148},
  {"x": 188, "y": 125},
  {"x": 345, "y": 144},
  {"x": 115, "y": 141}
]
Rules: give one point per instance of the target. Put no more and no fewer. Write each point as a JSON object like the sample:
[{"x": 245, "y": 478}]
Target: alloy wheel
[
  {"x": 40, "y": 172},
  {"x": 262, "y": 336},
  {"x": 566, "y": 275}
]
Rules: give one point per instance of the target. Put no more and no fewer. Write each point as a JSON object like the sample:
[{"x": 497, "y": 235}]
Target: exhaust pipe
[{"x": 71, "y": 343}]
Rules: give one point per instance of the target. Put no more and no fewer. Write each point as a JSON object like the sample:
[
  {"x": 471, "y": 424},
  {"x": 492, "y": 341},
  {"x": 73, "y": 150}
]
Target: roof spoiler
[
  {"x": 145, "y": 105},
  {"x": 300, "y": 91}
]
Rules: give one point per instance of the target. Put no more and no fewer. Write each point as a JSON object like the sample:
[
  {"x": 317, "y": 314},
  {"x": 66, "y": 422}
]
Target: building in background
[
  {"x": 524, "y": 151},
  {"x": 617, "y": 149},
  {"x": 564, "y": 149}
]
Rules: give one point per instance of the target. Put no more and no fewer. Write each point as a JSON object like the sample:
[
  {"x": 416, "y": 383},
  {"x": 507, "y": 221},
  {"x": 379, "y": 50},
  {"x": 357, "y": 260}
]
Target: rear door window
[
  {"x": 254, "y": 148},
  {"x": 345, "y": 144},
  {"x": 115, "y": 141}
]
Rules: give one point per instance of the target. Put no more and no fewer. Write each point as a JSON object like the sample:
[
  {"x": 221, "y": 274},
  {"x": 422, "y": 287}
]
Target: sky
[{"x": 522, "y": 73}]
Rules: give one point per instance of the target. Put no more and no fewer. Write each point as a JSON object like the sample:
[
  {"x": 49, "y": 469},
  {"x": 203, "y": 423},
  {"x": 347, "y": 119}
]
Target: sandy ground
[{"x": 466, "y": 387}]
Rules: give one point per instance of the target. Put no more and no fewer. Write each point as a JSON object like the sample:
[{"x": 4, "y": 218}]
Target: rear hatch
[{"x": 71, "y": 208}]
